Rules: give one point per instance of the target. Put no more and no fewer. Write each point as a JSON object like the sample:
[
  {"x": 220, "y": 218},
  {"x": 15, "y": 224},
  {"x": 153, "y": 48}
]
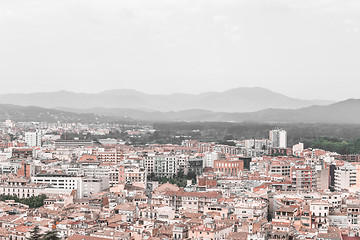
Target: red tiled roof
[
  {"x": 345, "y": 237},
  {"x": 194, "y": 194},
  {"x": 84, "y": 237}
]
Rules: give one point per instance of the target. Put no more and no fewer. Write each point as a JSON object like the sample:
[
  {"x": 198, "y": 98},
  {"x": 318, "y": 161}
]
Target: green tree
[
  {"x": 51, "y": 235},
  {"x": 191, "y": 175},
  {"x": 180, "y": 174},
  {"x": 35, "y": 234},
  {"x": 32, "y": 202}
]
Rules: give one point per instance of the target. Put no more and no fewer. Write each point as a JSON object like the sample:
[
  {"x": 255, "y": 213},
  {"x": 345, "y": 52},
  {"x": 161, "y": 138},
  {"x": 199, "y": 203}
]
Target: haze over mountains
[
  {"x": 238, "y": 105},
  {"x": 234, "y": 100},
  {"x": 38, "y": 114},
  {"x": 347, "y": 111}
]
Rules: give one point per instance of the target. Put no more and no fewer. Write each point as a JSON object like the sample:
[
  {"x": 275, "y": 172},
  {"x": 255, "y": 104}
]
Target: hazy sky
[{"x": 302, "y": 48}]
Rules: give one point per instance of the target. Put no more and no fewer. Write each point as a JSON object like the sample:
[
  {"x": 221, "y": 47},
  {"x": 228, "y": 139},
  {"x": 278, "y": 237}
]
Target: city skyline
[{"x": 180, "y": 119}]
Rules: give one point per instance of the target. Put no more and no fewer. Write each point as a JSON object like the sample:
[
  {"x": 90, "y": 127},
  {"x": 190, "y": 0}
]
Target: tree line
[
  {"x": 341, "y": 146},
  {"x": 180, "y": 179},
  {"x": 32, "y": 202},
  {"x": 50, "y": 235}
]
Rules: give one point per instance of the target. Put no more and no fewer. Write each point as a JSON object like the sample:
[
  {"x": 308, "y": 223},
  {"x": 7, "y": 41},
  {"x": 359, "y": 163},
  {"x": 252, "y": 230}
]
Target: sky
[{"x": 306, "y": 49}]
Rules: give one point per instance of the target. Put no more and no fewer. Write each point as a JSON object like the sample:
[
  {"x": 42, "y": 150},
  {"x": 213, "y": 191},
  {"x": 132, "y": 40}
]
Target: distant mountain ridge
[
  {"x": 233, "y": 100},
  {"x": 345, "y": 112},
  {"x": 38, "y": 114}
]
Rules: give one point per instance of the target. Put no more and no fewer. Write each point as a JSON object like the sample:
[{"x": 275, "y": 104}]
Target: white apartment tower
[
  {"x": 278, "y": 138},
  {"x": 33, "y": 139},
  {"x": 345, "y": 177}
]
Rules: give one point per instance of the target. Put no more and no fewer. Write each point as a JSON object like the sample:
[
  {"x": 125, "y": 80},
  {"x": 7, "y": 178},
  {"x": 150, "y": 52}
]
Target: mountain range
[
  {"x": 38, "y": 114},
  {"x": 234, "y": 100},
  {"x": 72, "y": 107},
  {"x": 347, "y": 111}
]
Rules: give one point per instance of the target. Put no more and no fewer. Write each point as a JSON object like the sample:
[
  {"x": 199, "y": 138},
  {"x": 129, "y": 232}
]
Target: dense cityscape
[
  {"x": 108, "y": 188},
  {"x": 180, "y": 119}
]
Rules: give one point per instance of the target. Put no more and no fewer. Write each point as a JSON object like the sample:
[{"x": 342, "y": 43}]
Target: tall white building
[
  {"x": 298, "y": 148},
  {"x": 345, "y": 177},
  {"x": 165, "y": 165},
  {"x": 33, "y": 139},
  {"x": 278, "y": 138},
  {"x": 9, "y": 124},
  {"x": 84, "y": 186},
  {"x": 210, "y": 157}
]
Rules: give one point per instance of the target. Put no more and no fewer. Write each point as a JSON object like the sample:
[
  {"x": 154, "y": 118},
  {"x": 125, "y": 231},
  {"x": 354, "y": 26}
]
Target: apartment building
[
  {"x": 165, "y": 166},
  {"x": 132, "y": 174},
  {"x": 73, "y": 143},
  {"x": 91, "y": 169},
  {"x": 278, "y": 138},
  {"x": 251, "y": 209},
  {"x": 319, "y": 214},
  {"x": 61, "y": 181},
  {"x": 302, "y": 178},
  {"x": 109, "y": 155},
  {"x": 92, "y": 185},
  {"x": 84, "y": 186},
  {"x": 26, "y": 170},
  {"x": 21, "y": 153},
  {"x": 229, "y": 167},
  {"x": 195, "y": 164},
  {"x": 149, "y": 163},
  {"x": 209, "y": 231},
  {"x": 280, "y": 168},
  {"x": 190, "y": 201},
  {"x": 353, "y": 215},
  {"x": 33, "y": 139},
  {"x": 21, "y": 188},
  {"x": 114, "y": 176},
  {"x": 345, "y": 177}
]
